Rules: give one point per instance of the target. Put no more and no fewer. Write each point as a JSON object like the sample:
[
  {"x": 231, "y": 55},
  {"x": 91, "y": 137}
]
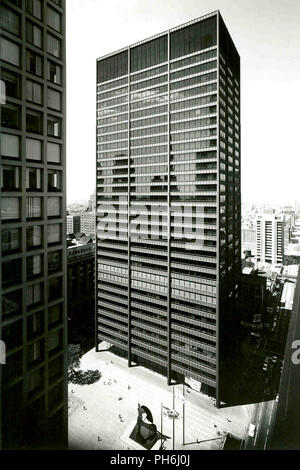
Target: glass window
[
  {"x": 54, "y": 126},
  {"x": 10, "y": 146},
  {"x": 35, "y": 381},
  {"x": 55, "y": 314},
  {"x": 9, "y": 20},
  {"x": 34, "y": 7},
  {"x": 35, "y": 324},
  {"x": 11, "y": 240},
  {"x": 33, "y": 207},
  {"x": 55, "y": 369},
  {"x": 54, "y": 261},
  {"x": 10, "y": 178},
  {"x": 12, "y": 83},
  {"x": 54, "y": 234},
  {"x": 12, "y": 335},
  {"x": 54, "y": 19},
  {"x": 33, "y": 149},
  {"x": 34, "y": 34},
  {"x": 54, "y": 72},
  {"x": 34, "y": 237},
  {"x": 56, "y": 395},
  {"x": 54, "y": 99},
  {"x": 55, "y": 288},
  {"x": 34, "y": 121},
  {"x": 195, "y": 37},
  {"x": 34, "y": 294},
  {"x": 112, "y": 67},
  {"x": 12, "y": 303},
  {"x": 54, "y": 207},
  {"x": 10, "y": 208},
  {"x": 54, "y": 180},
  {"x": 33, "y": 179},
  {"x": 149, "y": 54},
  {"x": 10, "y": 52},
  {"x": 34, "y": 266},
  {"x": 10, "y": 116},
  {"x": 53, "y": 46},
  {"x": 11, "y": 272},
  {"x": 34, "y": 63},
  {"x": 53, "y": 153},
  {"x": 34, "y": 92}
]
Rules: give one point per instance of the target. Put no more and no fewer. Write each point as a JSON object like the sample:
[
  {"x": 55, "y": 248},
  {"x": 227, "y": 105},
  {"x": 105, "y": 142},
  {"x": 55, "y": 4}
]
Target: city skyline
[{"x": 266, "y": 67}]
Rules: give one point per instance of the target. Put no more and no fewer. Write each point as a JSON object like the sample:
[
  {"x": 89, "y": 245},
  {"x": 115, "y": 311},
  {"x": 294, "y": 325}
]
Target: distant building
[
  {"x": 249, "y": 239},
  {"x": 88, "y": 223},
  {"x": 73, "y": 224},
  {"x": 92, "y": 201},
  {"x": 81, "y": 294},
  {"x": 272, "y": 237}
]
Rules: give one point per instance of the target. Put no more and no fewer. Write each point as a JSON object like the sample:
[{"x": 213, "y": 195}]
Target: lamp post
[
  {"x": 173, "y": 418},
  {"x": 183, "y": 415}
]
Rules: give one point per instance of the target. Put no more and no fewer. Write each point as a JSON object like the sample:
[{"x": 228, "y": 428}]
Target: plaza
[{"x": 102, "y": 415}]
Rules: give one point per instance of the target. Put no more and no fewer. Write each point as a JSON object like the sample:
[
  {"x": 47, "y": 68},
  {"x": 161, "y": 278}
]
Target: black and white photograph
[{"x": 150, "y": 228}]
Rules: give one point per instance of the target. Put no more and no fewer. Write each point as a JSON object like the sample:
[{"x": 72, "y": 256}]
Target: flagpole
[
  {"x": 183, "y": 414},
  {"x": 174, "y": 417},
  {"x": 161, "y": 425}
]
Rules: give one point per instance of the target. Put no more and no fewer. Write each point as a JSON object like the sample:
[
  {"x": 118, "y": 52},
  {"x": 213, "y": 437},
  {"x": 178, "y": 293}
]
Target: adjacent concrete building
[{"x": 33, "y": 387}]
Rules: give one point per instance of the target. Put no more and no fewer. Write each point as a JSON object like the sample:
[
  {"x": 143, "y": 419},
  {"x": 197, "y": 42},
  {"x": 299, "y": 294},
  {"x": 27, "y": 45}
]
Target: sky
[{"x": 267, "y": 36}]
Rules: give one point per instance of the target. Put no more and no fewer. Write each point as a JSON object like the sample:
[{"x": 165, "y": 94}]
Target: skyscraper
[
  {"x": 168, "y": 202},
  {"x": 33, "y": 411}
]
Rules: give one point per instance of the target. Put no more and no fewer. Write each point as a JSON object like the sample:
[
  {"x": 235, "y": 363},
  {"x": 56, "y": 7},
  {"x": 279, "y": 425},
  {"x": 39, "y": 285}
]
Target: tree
[{"x": 74, "y": 355}]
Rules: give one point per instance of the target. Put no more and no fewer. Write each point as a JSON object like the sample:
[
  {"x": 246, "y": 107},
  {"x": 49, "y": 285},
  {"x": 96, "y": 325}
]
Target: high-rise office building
[
  {"x": 168, "y": 168},
  {"x": 88, "y": 222},
  {"x": 272, "y": 237},
  {"x": 73, "y": 224},
  {"x": 33, "y": 411}
]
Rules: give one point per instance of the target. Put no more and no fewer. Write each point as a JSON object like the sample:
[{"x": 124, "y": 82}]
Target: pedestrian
[
  {"x": 99, "y": 440},
  {"x": 84, "y": 408},
  {"x": 129, "y": 387}
]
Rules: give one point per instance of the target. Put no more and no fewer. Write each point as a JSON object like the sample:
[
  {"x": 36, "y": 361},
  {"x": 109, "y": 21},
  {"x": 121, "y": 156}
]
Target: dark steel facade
[
  {"x": 33, "y": 385},
  {"x": 168, "y": 162}
]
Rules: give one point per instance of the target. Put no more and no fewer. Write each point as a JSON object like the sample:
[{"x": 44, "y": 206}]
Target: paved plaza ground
[{"x": 94, "y": 409}]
